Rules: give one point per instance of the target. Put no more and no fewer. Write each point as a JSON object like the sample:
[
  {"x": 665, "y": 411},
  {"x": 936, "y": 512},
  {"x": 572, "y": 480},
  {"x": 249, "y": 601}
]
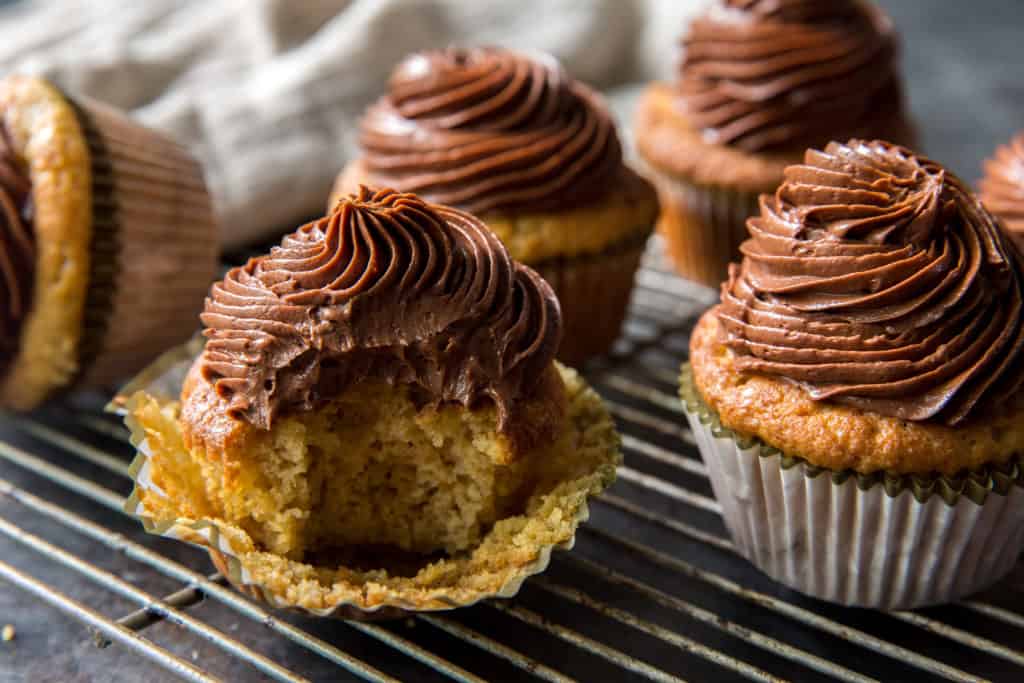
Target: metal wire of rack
[{"x": 653, "y": 590}]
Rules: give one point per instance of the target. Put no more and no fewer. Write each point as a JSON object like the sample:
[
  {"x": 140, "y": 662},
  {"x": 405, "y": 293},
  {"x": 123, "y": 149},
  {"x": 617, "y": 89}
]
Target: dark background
[{"x": 963, "y": 62}]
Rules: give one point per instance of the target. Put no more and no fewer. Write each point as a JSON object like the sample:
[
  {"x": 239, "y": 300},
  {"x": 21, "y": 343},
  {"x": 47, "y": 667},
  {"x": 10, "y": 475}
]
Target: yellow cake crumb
[{"x": 372, "y": 502}]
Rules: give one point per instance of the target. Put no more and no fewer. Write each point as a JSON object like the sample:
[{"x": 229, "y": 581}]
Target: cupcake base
[
  {"x": 703, "y": 227},
  {"x": 579, "y": 464},
  {"x": 125, "y": 237},
  {"x": 886, "y": 542},
  {"x": 594, "y": 292}
]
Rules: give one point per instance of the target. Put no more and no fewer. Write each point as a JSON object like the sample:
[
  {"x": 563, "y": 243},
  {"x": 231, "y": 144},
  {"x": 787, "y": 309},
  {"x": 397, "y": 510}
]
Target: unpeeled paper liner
[
  {"x": 703, "y": 225},
  {"x": 162, "y": 380},
  {"x": 975, "y": 485},
  {"x": 103, "y": 248},
  {"x": 154, "y": 245},
  {"x": 583, "y": 283}
]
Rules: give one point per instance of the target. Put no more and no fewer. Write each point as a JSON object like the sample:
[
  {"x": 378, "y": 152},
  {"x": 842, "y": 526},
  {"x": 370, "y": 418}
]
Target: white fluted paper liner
[
  {"x": 163, "y": 380},
  {"x": 855, "y": 543}
]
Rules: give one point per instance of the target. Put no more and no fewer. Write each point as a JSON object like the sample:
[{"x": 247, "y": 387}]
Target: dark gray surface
[
  {"x": 964, "y": 67},
  {"x": 963, "y": 62}
]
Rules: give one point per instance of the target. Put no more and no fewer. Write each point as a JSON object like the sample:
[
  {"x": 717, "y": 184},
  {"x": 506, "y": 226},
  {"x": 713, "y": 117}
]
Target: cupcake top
[
  {"x": 488, "y": 129},
  {"x": 769, "y": 75},
  {"x": 873, "y": 277},
  {"x": 17, "y": 250},
  {"x": 387, "y": 287},
  {"x": 1002, "y": 189}
]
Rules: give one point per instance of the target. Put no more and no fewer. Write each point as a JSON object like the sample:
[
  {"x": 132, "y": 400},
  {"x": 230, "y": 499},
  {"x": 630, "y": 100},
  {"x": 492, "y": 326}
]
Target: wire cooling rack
[{"x": 653, "y": 590}]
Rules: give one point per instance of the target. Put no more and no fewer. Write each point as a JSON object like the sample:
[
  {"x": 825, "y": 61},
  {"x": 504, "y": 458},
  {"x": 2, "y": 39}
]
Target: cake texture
[
  {"x": 872, "y": 331},
  {"x": 87, "y": 195},
  {"x": 1002, "y": 188},
  {"x": 758, "y": 83},
  {"x": 376, "y": 419},
  {"x": 531, "y": 151}
]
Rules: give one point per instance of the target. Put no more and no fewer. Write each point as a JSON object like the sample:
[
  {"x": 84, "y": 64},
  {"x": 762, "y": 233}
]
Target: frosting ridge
[
  {"x": 873, "y": 277},
  {"x": 765, "y": 75},
  {"x": 388, "y": 287},
  {"x": 487, "y": 129},
  {"x": 17, "y": 248},
  {"x": 1002, "y": 188}
]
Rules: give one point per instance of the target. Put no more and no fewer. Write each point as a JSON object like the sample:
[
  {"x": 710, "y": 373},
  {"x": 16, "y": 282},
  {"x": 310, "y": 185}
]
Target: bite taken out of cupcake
[
  {"x": 856, "y": 394},
  {"x": 1002, "y": 188},
  {"x": 376, "y": 422},
  {"x": 759, "y": 82},
  {"x": 107, "y": 243},
  {"x": 534, "y": 153}
]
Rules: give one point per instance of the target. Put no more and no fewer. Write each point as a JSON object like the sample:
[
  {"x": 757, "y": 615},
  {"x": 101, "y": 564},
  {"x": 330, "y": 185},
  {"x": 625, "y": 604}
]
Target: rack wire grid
[{"x": 653, "y": 589}]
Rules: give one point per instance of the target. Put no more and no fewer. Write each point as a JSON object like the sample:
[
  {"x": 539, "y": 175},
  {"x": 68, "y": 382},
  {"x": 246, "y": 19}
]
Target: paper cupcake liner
[
  {"x": 703, "y": 226},
  {"x": 594, "y": 292},
  {"x": 162, "y": 382},
  {"x": 884, "y": 541},
  {"x": 154, "y": 249}
]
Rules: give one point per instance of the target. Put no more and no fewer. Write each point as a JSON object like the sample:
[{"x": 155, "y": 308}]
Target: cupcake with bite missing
[
  {"x": 534, "y": 153},
  {"x": 760, "y": 81},
  {"x": 376, "y": 421},
  {"x": 857, "y": 393},
  {"x": 107, "y": 243},
  {"x": 1002, "y": 188}
]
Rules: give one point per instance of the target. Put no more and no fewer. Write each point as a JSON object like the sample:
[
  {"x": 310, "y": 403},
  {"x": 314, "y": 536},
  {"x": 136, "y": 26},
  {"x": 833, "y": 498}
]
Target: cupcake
[
  {"x": 533, "y": 153},
  {"x": 760, "y": 81},
  {"x": 376, "y": 421},
  {"x": 107, "y": 243},
  {"x": 856, "y": 394},
  {"x": 1002, "y": 188}
]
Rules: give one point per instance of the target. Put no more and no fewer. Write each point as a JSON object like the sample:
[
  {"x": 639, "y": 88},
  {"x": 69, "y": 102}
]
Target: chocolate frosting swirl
[
  {"x": 486, "y": 129},
  {"x": 387, "y": 287},
  {"x": 17, "y": 248},
  {"x": 1002, "y": 189},
  {"x": 873, "y": 277},
  {"x": 765, "y": 75}
]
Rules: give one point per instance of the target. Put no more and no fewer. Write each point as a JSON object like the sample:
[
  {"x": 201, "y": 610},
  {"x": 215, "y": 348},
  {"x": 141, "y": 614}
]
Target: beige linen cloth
[{"x": 267, "y": 93}]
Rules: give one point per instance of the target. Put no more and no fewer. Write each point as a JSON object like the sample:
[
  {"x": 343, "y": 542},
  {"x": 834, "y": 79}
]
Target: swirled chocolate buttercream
[
  {"x": 1002, "y": 189},
  {"x": 488, "y": 129},
  {"x": 17, "y": 249},
  {"x": 788, "y": 74},
  {"x": 873, "y": 277},
  {"x": 387, "y": 287}
]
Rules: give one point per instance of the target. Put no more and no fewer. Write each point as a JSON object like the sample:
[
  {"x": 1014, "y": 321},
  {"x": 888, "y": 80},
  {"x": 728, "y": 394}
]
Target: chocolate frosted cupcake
[
  {"x": 760, "y": 81},
  {"x": 856, "y": 394},
  {"x": 107, "y": 243},
  {"x": 533, "y": 153},
  {"x": 1002, "y": 188},
  {"x": 376, "y": 421}
]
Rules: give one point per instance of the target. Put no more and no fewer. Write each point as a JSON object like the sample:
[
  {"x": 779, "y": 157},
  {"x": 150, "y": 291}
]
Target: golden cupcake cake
[
  {"x": 759, "y": 82},
  {"x": 376, "y": 421},
  {"x": 534, "y": 153},
  {"x": 1002, "y": 188},
  {"x": 107, "y": 243},
  {"x": 856, "y": 394}
]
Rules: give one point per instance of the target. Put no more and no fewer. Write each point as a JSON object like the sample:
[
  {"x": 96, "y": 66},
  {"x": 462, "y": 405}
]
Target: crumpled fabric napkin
[{"x": 267, "y": 93}]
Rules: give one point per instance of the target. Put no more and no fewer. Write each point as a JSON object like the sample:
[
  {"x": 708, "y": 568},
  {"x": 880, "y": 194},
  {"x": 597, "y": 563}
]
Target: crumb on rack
[{"x": 7, "y": 633}]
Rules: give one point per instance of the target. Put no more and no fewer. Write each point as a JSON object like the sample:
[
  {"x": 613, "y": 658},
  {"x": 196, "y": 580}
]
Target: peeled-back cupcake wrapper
[
  {"x": 703, "y": 226},
  {"x": 153, "y": 249},
  {"x": 163, "y": 381},
  {"x": 885, "y": 541},
  {"x": 594, "y": 292}
]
